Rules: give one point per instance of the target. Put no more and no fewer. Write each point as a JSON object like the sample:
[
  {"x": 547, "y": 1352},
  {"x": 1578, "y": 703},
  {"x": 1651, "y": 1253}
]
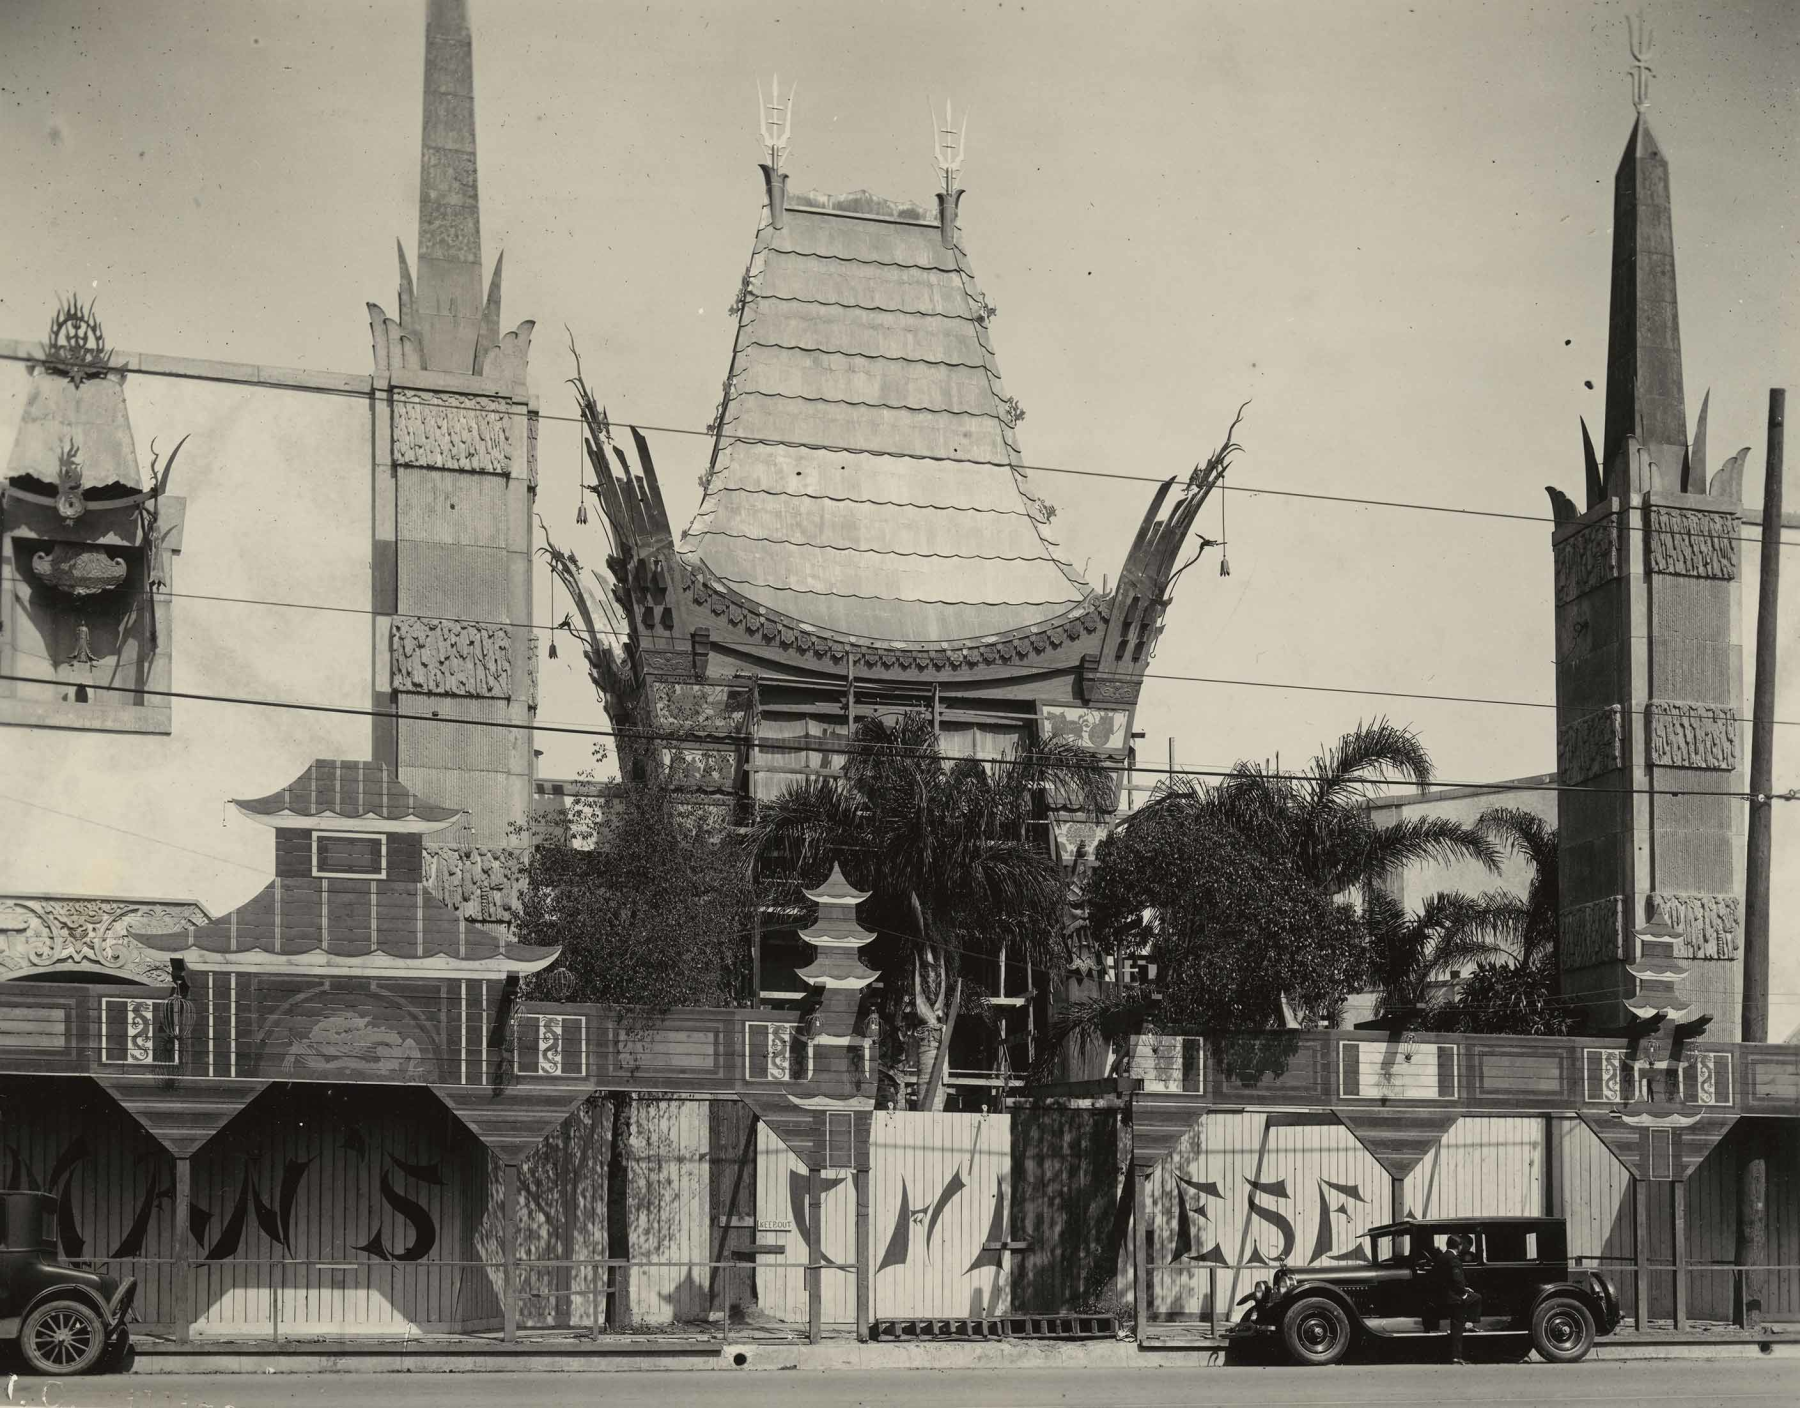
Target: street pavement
[{"x": 1730, "y": 1383}]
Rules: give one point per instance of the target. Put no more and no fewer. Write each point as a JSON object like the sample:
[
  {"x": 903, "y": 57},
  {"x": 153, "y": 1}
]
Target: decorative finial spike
[
  {"x": 1641, "y": 40},
  {"x": 775, "y": 120},
  {"x": 949, "y": 145}
]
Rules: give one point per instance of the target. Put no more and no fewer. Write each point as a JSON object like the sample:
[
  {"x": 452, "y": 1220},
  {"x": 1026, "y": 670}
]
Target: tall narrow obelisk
[{"x": 1649, "y": 658}]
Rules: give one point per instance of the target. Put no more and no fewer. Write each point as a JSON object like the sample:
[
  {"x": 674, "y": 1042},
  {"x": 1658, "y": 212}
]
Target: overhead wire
[
  {"x": 846, "y": 749},
  {"x": 703, "y": 432}
]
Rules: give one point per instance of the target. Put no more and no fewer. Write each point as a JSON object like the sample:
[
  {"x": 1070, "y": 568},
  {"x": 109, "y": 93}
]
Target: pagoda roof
[
  {"x": 303, "y": 923},
  {"x": 866, "y": 481},
  {"x": 352, "y": 790}
]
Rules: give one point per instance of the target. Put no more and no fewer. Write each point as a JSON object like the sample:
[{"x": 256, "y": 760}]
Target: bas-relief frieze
[
  {"x": 1709, "y": 924},
  {"x": 1593, "y": 933},
  {"x": 1587, "y": 559},
  {"x": 481, "y": 883},
  {"x": 1689, "y": 735},
  {"x": 431, "y": 656},
  {"x": 1591, "y": 745},
  {"x": 54, "y": 933},
  {"x": 1686, "y": 542},
  {"x": 442, "y": 430}
]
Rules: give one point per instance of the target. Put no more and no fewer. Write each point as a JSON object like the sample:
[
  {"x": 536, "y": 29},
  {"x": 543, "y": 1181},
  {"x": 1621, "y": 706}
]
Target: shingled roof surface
[
  {"x": 862, "y": 334},
  {"x": 351, "y": 789}
]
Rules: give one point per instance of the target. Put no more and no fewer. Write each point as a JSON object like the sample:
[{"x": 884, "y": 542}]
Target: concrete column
[
  {"x": 184, "y": 1278},
  {"x": 509, "y": 1242},
  {"x": 815, "y": 1251}
]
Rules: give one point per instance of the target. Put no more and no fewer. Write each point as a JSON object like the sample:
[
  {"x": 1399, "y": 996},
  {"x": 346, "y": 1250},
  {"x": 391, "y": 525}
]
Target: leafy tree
[
  {"x": 949, "y": 852},
  {"x": 1407, "y": 952},
  {"x": 652, "y": 907},
  {"x": 1235, "y": 930},
  {"x": 1245, "y": 888}
]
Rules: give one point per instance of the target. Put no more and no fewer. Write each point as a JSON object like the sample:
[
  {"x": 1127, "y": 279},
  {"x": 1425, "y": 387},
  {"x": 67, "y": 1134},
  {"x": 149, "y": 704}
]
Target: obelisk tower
[
  {"x": 455, "y": 473},
  {"x": 1649, "y": 659}
]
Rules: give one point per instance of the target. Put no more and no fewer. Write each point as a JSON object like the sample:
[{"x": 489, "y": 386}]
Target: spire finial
[
  {"x": 949, "y": 146},
  {"x": 1642, "y": 40},
  {"x": 775, "y": 120}
]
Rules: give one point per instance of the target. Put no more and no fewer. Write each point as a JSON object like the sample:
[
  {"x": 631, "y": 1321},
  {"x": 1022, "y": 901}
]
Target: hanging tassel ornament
[
  {"x": 553, "y": 629},
  {"x": 1224, "y": 551},
  {"x": 580, "y": 485}
]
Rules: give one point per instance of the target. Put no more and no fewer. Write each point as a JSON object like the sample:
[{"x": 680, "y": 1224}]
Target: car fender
[
  {"x": 67, "y": 1291},
  {"x": 1575, "y": 1291},
  {"x": 1304, "y": 1291}
]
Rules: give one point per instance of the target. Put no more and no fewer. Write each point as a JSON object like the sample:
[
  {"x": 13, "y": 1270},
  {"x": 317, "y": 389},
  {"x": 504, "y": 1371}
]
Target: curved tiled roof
[
  {"x": 350, "y": 789},
  {"x": 860, "y": 329},
  {"x": 298, "y": 917}
]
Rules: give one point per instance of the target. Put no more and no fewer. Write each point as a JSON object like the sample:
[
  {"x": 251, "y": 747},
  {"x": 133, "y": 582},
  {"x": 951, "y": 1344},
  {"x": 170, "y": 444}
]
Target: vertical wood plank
[
  {"x": 865, "y": 1269},
  {"x": 182, "y": 1301},
  {"x": 1678, "y": 1228},
  {"x": 815, "y": 1251},
  {"x": 1640, "y": 1219},
  {"x": 510, "y": 1252},
  {"x": 1140, "y": 1261}
]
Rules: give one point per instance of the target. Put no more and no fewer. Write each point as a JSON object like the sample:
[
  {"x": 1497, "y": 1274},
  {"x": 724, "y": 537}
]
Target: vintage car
[
  {"x": 1519, "y": 1266},
  {"x": 66, "y": 1320}
]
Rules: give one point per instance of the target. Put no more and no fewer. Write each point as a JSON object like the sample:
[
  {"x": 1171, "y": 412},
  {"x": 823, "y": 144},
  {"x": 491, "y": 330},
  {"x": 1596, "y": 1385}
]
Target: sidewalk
[{"x": 1170, "y": 1346}]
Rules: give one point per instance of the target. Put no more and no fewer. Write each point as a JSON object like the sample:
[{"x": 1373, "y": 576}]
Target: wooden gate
[
  {"x": 940, "y": 1214},
  {"x": 781, "y": 1218}
]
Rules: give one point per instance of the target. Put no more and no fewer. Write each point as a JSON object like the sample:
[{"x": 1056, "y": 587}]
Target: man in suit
[{"x": 1448, "y": 1291}]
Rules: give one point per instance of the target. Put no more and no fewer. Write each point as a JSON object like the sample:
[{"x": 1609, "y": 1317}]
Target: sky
[{"x": 1386, "y": 225}]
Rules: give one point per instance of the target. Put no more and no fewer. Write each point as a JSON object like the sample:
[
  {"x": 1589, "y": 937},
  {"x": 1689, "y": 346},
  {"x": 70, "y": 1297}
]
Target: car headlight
[
  {"x": 1283, "y": 1279},
  {"x": 1260, "y": 1291}
]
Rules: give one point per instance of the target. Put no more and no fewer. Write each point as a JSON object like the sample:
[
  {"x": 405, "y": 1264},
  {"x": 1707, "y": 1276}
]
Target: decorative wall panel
[
  {"x": 1709, "y": 924},
  {"x": 1688, "y": 735},
  {"x": 59, "y": 933},
  {"x": 447, "y": 431},
  {"x": 1687, "y": 542},
  {"x": 432, "y": 656},
  {"x": 1593, "y": 933},
  {"x": 1587, "y": 559},
  {"x": 481, "y": 883},
  {"x": 1591, "y": 745}
]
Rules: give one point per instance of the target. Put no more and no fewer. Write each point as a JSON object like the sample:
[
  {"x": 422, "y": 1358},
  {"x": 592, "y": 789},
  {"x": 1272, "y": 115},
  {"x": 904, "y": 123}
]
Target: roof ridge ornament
[
  {"x": 1642, "y": 41},
  {"x": 775, "y": 120},
  {"x": 949, "y": 146}
]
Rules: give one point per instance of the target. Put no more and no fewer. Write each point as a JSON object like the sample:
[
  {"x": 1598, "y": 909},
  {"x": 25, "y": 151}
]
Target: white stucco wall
[{"x": 278, "y": 489}]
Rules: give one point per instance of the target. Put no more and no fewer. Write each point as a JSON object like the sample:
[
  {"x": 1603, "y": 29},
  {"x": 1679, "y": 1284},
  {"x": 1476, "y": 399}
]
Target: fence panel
[
  {"x": 1066, "y": 1208},
  {"x": 669, "y": 1211},
  {"x": 783, "y": 1216},
  {"x": 939, "y": 1189},
  {"x": 1482, "y": 1167}
]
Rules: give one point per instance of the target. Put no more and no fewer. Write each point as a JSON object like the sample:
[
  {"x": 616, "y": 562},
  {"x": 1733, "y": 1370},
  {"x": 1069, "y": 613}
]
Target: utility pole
[{"x": 1753, "y": 1174}]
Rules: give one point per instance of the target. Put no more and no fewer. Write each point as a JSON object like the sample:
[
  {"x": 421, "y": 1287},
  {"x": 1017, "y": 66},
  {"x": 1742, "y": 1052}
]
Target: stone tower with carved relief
[
  {"x": 456, "y": 472},
  {"x": 1649, "y": 658}
]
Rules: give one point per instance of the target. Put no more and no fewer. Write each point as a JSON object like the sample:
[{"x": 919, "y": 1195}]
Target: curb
[{"x": 753, "y": 1355}]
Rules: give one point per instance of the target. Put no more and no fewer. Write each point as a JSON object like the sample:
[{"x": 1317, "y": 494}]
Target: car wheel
[
  {"x": 1562, "y": 1330},
  {"x": 1316, "y": 1331},
  {"x": 63, "y": 1337}
]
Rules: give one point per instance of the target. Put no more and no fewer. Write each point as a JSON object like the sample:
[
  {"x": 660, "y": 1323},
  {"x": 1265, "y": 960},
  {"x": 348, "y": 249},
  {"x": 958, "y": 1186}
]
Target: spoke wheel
[
  {"x": 63, "y": 1337},
  {"x": 1562, "y": 1330},
  {"x": 1316, "y": 1331}
]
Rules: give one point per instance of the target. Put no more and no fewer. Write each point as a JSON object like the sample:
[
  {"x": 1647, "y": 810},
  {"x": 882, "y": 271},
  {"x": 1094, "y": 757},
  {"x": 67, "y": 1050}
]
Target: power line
[
  {"x": 711, "y": 434},
  {"x": 846, "y": 749},
  {"x": 126, "y": 831},
  {"x": 1222, "y": 681}
]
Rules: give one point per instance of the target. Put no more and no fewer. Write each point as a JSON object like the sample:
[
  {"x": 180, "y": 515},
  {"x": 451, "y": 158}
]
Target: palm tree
[
  {"x": 1321, "y": 819},
  {"x": 1515, "y": 990},
  {"x": 1408, "y": 952},
  {"x": 948, "y": 849}
]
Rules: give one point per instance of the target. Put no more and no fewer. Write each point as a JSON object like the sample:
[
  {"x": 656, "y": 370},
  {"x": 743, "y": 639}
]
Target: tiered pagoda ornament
[{"x": 842, "y": 1057}]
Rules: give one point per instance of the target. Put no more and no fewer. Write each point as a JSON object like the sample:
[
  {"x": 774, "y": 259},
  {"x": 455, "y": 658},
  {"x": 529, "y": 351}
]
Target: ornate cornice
[
  {"x": 75, "y": 933},
  {"x": 1053, "y": 644}
]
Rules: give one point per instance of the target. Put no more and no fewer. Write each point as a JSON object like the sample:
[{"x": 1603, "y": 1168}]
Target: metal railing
[{"x": 276, "y": 1299}]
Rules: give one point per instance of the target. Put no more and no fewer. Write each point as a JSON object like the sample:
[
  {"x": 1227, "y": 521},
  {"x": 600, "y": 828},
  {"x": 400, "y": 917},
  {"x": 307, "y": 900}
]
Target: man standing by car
[{"x": 1449, "y": 1293}]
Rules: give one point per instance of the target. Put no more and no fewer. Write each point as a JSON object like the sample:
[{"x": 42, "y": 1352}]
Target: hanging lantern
[{"x": 1224, "y": 549}]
